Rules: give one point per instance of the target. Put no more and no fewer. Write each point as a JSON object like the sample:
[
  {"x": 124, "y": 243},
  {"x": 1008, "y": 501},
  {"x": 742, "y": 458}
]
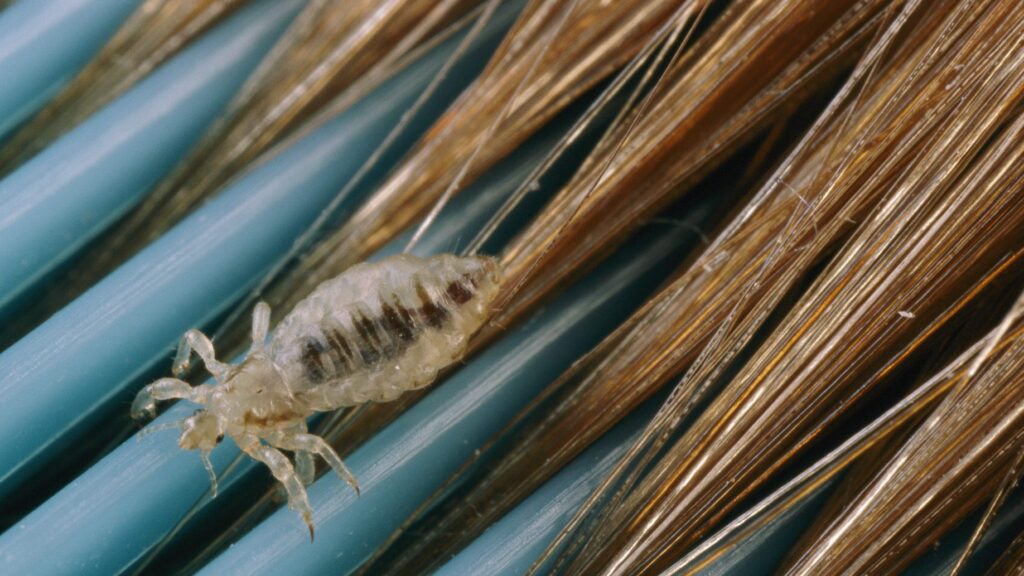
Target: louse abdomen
[
  {"x": 368, "y": 339},
  {"x": 416, "y": 321}
]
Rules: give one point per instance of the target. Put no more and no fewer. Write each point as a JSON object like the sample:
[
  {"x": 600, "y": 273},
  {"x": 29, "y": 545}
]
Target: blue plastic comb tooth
[
  {"x": 43, "y": 44},
  {"x": 512, "y": 544},
  {"x": 56, "y": 202}
]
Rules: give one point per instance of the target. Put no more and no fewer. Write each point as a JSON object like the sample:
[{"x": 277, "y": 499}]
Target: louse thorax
[
  {"x": 380, "y": 329},
  {"x": 254, "y": 397}
]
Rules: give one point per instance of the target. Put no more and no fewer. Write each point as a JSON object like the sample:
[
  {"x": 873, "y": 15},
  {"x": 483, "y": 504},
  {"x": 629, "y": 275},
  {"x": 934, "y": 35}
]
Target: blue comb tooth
[
  {"x": 42, "y": 46},
  {"x": 52, "y": 205},
  {"x": 512, "y": 544}
]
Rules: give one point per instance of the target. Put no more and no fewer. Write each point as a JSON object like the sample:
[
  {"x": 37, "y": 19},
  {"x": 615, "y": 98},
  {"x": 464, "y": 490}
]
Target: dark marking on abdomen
[
  {"x": 458, "y": 292},
  {"x": 333, "y": 348},
  {"x": 374, "y": 339},
  {"x": 312, "y": 360},
  {"x": 341, "y": 349},
  {"x": 398, "y": 321},
  {"x": 433, "y": 314},
  {"x": 369, "y": 343}
]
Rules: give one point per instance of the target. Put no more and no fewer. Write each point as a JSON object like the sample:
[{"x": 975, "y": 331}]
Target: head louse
[{"x": 373, "y": 332}]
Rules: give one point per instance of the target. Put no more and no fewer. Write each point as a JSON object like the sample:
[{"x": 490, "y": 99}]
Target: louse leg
[
  {"x": 260, "y": 326},
  {"x": 205, "y": 457},
  {"x": 194, "y": 340},
  {"x": 305, "y": 467},
  {"x": 316, "y": 445},
  {"x": 283, "y": 471},
  {"x": 167, "y": 389},
  {"x": 154, "y": 428}
]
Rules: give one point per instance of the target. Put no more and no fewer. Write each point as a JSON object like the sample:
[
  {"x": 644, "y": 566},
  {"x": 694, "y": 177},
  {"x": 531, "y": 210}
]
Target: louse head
[{"x": 201, "y": 431}]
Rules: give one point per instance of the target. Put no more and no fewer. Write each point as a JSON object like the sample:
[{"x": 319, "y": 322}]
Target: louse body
[
  {"x": 369, "y": 334},
  {"x": 342, "y": 348}
]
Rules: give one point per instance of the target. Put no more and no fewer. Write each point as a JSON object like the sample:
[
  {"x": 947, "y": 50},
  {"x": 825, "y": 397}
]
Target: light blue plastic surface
[
  {"x": 44, "y": 43},
  {"x": 56, "y": 202},
  {"x": 513, "y": 544},
  {"x": 401, "y": 466},
  {"x": 90, "y": 352},
  {"x": 104, "y": 520}
]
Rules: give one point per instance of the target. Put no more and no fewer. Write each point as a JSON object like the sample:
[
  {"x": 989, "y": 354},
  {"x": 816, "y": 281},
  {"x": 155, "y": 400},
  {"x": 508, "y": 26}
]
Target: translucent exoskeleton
[{"x": 367, "y": 335}]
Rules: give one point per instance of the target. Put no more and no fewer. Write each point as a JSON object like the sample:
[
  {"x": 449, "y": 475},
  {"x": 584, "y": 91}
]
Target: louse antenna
[
  {"x": 456, "y": 182},
  {"x": 204, "y": 455},
  {"x": 154, "y": 428},
  {"x": 385, "y": 146}
]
